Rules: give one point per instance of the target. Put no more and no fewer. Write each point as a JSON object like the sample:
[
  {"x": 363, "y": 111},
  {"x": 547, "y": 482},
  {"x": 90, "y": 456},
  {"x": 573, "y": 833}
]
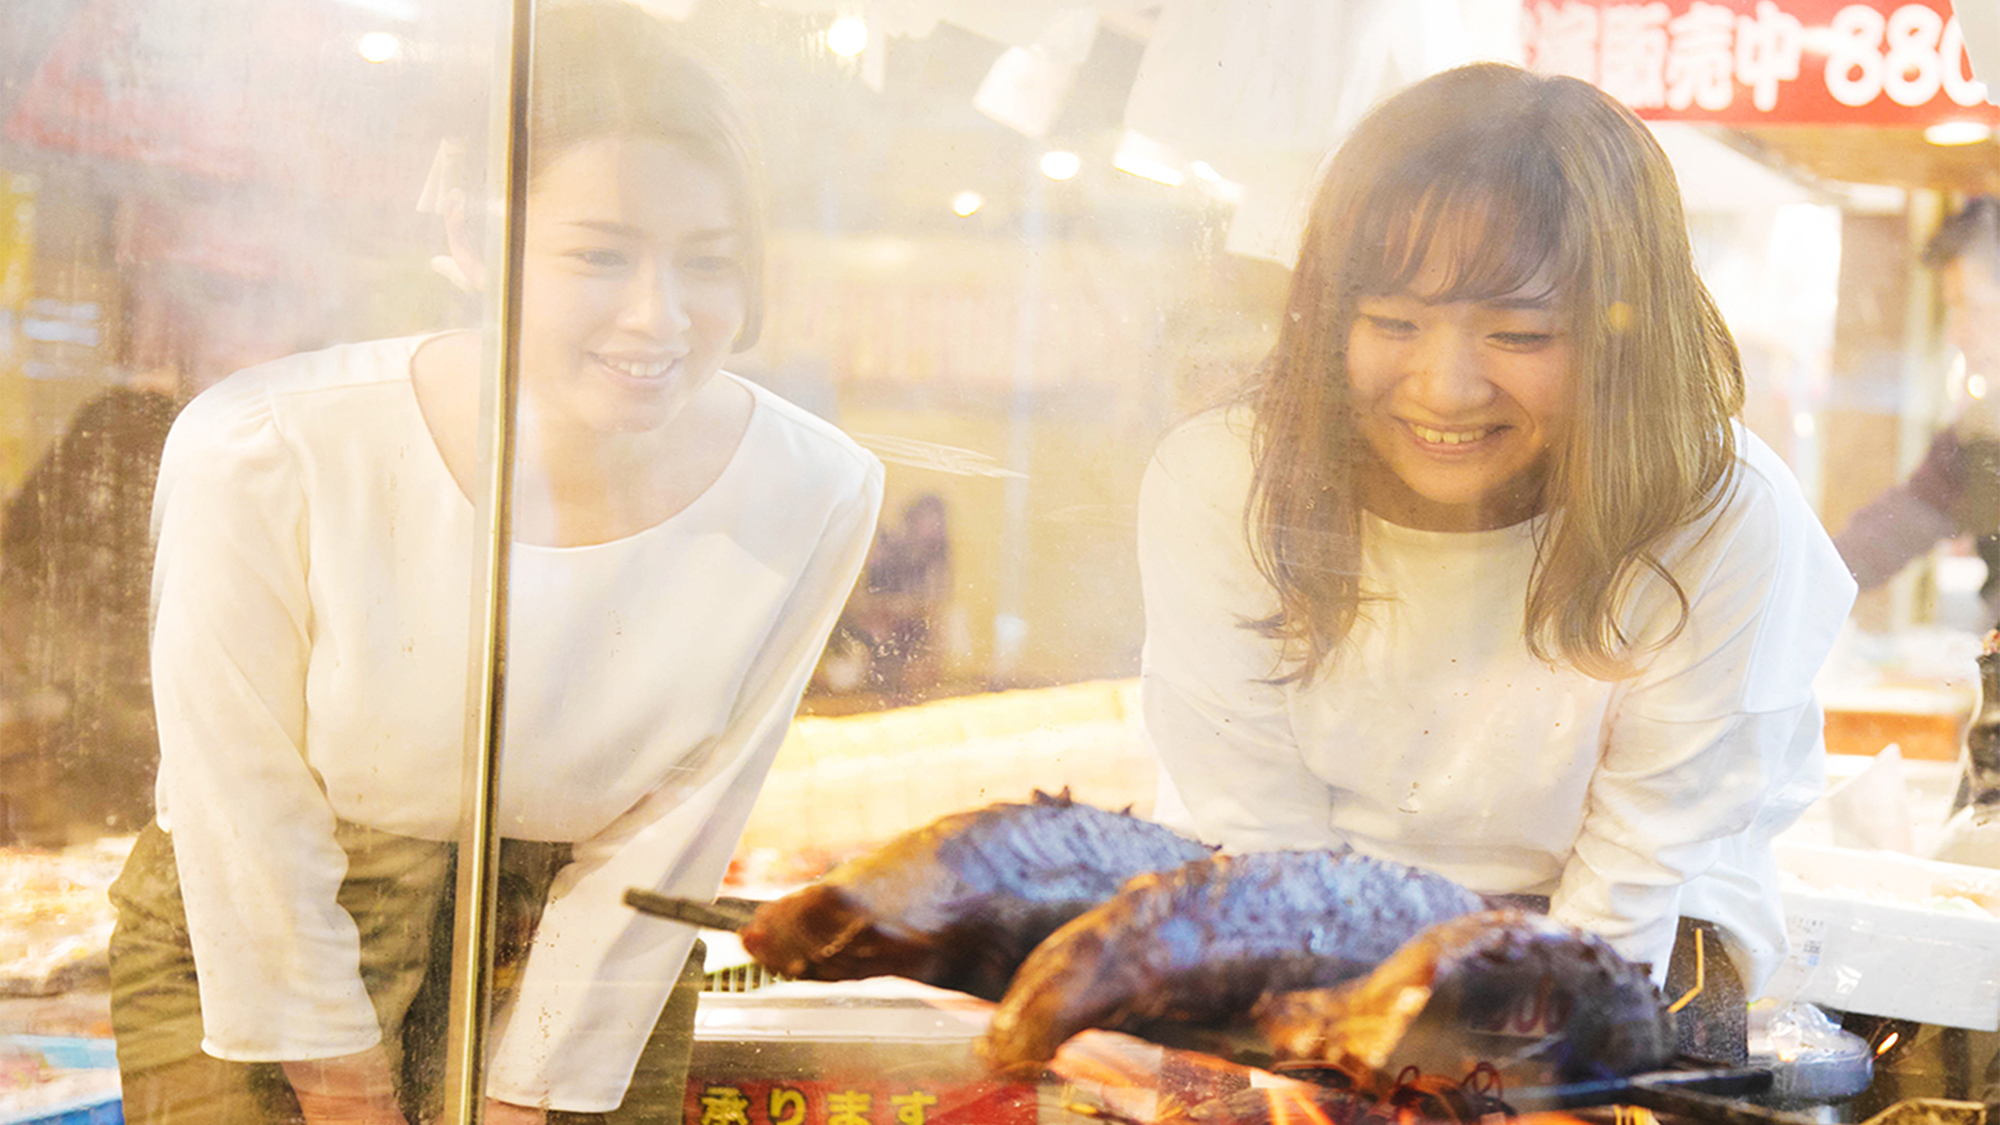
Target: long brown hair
[{"x": 1522, "y": 177}]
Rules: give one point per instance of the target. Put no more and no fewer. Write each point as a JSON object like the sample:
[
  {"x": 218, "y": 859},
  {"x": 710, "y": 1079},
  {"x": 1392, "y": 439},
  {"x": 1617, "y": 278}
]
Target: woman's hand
[
  {"x": 347, "y": 1090},
  {"x": 507, "y": 1113}
]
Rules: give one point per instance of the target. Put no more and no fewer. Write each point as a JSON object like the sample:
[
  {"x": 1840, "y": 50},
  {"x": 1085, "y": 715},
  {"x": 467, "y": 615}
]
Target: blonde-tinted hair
[{"x": 1518, "y": 178}]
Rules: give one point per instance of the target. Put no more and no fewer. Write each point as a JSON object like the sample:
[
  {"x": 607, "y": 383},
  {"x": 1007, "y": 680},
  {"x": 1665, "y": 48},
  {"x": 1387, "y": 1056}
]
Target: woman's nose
[
  {"x": 1448, "y": 373},
  {"x": 655, "y": 304}
]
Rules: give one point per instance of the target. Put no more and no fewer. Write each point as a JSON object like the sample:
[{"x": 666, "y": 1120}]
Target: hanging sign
[
  {"x": 224, "y": 90},
  {"x": 1759, "y": 62}
]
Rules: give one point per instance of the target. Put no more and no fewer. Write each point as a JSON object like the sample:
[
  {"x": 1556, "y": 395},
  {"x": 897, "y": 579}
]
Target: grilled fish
[
  {"x": 1417, "y": 1100},
  {"x": 960, "y": 902},
  {"x": 1528, "y": 997},
  {"x": 1202, "y": 943}
]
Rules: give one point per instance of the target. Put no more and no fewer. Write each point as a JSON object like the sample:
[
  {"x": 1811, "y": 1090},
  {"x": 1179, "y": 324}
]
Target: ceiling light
[
  {"x": 848, "y": 36},
  {"x": 1958, "y": 132},
  {"x": 1060, "y": 165},
  {"x": 1148, "y": 159},
  {"x": 379, "y": 46},
  {"x": 966, "y": 202}
]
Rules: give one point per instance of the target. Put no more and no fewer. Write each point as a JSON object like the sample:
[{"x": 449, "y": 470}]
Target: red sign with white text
[
  {"x": 1759, "y": 62},
  {"x": 714, "y": 1101}
]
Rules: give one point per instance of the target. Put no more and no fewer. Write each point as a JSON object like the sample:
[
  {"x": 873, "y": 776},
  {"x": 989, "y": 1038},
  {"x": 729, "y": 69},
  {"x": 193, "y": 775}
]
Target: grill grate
[{"x": 747, "y": 977}]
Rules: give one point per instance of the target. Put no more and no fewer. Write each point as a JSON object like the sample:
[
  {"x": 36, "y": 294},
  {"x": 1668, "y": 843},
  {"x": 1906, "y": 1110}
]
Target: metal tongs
[{"x": 724, "y": 913}]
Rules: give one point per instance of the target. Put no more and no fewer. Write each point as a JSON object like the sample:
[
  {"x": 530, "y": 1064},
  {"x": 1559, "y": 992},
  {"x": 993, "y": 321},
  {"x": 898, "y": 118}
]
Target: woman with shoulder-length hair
[
  {"x": 683, "y": 543},
  {"x": 1481, "y": 573}
]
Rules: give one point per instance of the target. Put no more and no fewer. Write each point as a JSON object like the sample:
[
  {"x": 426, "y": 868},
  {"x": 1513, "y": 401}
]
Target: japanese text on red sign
[
  {"x": 1759, "y": 60},
  {"x": 825, "y": 1103}
]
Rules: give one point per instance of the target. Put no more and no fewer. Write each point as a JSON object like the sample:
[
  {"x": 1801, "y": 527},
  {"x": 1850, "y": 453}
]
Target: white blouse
[
  {"x": 1434, "y": 738},
  {"x": 312, "y": 609}
]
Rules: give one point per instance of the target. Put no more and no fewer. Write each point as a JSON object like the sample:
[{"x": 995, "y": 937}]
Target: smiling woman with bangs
[{"x": 1481, "y": 573}]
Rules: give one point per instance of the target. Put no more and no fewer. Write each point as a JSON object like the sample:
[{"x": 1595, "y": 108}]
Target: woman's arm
[
  {"x": 1715, "y": 745},
  {"x": 350, "y": 1090},
  {"x": 600, "y": 973},
  {"x": 1907, "y": 520},
  {"x": 259, "y": 868},
  {"x": 1221, "y": 731},
  {"x": 253, "y": 834},
  {"x": 359, "y": 1090}
]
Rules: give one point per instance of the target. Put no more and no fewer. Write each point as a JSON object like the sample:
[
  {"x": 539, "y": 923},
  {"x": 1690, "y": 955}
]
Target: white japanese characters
[{"x": 1699, "y": 56}]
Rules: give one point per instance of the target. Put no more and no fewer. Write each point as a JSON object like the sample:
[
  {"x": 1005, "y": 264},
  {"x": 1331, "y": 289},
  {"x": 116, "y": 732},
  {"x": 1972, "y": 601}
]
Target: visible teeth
[
  {"x": 1448, "y": 437},
  {"x": 637, "y": 370}
]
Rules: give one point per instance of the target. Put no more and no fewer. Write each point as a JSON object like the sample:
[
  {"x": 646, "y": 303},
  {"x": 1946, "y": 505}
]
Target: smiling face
[
  {"x": 1461, "y": 402},
  {"x": 634, "y": 284}
]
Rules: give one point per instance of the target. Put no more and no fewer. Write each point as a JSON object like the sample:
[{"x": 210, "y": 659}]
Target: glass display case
[{"x": 685, "y": 444}]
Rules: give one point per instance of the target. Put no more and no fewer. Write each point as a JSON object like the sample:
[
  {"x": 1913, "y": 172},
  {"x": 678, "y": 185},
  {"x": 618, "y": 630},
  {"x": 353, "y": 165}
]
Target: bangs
[{"x": 1491, "y": 216}]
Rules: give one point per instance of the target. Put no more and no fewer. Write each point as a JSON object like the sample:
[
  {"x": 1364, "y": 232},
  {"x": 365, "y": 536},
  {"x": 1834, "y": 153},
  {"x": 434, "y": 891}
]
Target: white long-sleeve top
[
  {"x": 312, "y": 609},
  {"x": 1434, "y": 738}
]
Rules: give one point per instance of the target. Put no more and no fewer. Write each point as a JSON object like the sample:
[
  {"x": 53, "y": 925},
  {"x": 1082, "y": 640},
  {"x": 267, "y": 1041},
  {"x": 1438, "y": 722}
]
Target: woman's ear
[{"x": 463, "y": 267}]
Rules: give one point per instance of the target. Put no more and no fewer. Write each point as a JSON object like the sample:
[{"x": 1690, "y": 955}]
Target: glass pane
[
  {"x": 220, "y": 220},
  {"x": 826, "y": 506},
  {"x": 1015, "y": 246}
]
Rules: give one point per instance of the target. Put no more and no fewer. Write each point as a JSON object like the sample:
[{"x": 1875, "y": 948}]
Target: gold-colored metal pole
[{"x": 478, "y": 842}]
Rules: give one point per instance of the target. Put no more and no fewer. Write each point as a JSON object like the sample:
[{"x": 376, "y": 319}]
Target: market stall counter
[
  {"x": 1853, "y": 934},
  {"x": 57, "y": 1066},
  {"x": 888, "y": 1049},
  {"x": 792, "y": 1048}
]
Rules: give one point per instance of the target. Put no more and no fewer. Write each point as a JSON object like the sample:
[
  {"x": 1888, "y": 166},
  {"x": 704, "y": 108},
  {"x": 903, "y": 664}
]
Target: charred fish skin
[
  {"x": 1201, "y": 943},
  {"x": 961, "y": 901},
  {"x": 1537, "y": 1001}
]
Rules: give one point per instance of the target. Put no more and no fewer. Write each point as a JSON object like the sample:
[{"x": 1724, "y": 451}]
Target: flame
[
  {"x": 1887, "y": 1042},
  {"x": 1294, "y": 1107},
  {"x": 1700, "y": 976}
]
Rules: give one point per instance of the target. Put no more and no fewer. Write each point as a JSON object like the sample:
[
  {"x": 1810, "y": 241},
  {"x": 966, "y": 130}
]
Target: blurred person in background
[
  {"x": 899, "y": 609},
  {"x": 888, "y": 648},
  {"x": 1956, "y": 489},
  {"x": 219, "y": 280}
]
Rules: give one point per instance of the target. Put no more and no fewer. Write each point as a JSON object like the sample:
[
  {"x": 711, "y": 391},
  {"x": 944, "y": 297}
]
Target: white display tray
[{"x": 1887, "y": 934}]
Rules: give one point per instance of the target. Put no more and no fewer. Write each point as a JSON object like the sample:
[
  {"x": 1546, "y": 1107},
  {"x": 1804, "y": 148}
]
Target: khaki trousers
[{"x": 399, "y": 892}]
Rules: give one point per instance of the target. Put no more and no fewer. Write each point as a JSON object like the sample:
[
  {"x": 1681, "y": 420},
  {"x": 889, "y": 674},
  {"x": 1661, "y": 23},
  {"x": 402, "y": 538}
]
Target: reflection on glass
[
  {"x": 684, "y": 542},
  {"x": 1955, "y": 491},
  {"x": 190, "y": 190},
  {"x": 218, "y": 283}
]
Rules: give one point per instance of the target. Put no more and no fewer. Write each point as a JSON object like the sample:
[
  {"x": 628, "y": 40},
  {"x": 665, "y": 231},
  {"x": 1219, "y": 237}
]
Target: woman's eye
[
  {"x": 1523, "y": 341},
  {"x": 1390, "y": 326},
  {"x": 599, "y": 259}
]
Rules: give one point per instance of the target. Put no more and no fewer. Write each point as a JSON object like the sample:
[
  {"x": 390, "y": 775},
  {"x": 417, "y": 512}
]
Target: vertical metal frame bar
[{"x": 478, "y": 843}]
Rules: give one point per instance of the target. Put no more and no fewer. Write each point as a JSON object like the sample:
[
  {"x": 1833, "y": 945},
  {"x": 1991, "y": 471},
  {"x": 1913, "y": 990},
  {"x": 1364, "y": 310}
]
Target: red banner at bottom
[{"x": 858, "y": 1103}]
